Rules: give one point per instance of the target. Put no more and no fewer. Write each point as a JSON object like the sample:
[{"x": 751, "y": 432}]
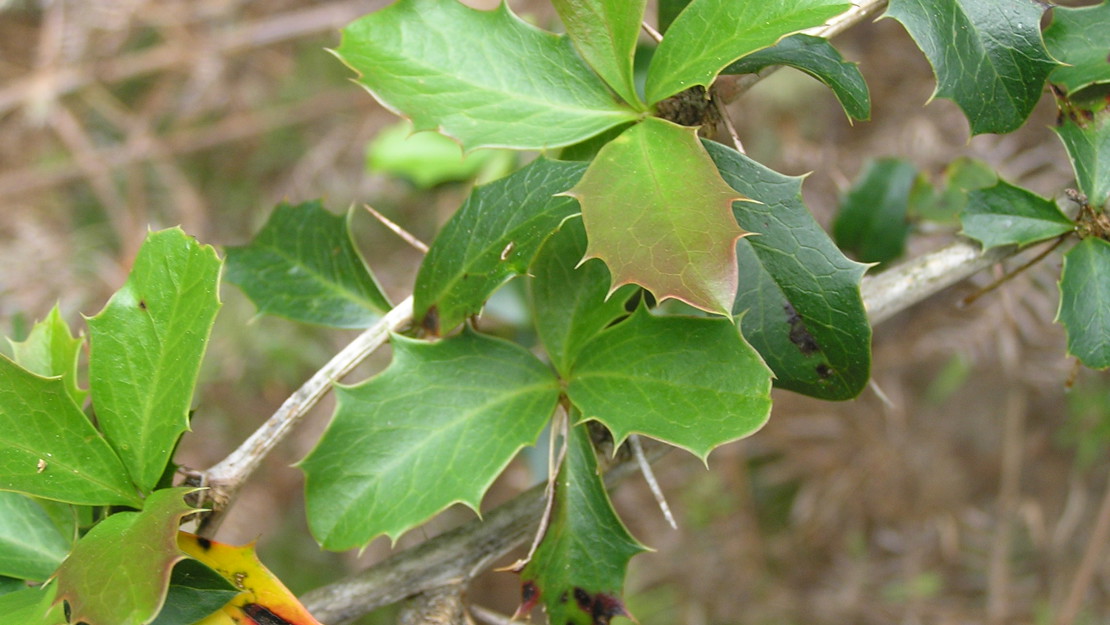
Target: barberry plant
[{"x": 626, "y": 208}]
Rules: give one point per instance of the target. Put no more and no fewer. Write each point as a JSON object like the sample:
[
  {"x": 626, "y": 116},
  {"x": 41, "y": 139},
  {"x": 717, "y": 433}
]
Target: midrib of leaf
[
  {"x": 445, "y": 430},
  {"x": 620, "y": 108},
  {"x": 333, "y": 286},
  {"x": 655, "y": 382},
  {"x": 75, "y": 470}
]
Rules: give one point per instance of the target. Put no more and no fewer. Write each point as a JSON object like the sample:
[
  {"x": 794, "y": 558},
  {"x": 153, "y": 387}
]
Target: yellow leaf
[{"x": 264, "y": 600}]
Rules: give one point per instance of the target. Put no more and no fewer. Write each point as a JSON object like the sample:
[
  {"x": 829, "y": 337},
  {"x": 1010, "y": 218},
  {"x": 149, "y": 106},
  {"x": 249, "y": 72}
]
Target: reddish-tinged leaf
[
  {"x": 264, "y": 600},
  {"x": 118, "y": 572},
  {"x": 659, "y": 214}
]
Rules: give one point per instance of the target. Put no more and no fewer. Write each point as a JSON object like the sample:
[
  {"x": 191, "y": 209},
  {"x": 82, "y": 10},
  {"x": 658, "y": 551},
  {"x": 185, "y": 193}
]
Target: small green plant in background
[{"x": 638, "y": 210}]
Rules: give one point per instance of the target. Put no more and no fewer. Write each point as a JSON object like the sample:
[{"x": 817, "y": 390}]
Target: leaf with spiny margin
[
  {"x": 689, "y": 381},
  {"x": 303, "y": 265},
  {"x": 48, "y": 447},
  {"x": 31, "y": 545},
  {"x": 1080, "y": 39},
  {"x": 434, "y": 429},
  {"x": 32, "y": 606},
  {"x": 710, "y": 34},
  {"x": 800, "y": 299},
  {"x": 872, "y": 222},
  {"x": 485, "y": 78},
  {"x": 119, "y": 572},
  {"x": 491, "y": 238},
  {"x": 1009, "y": 215},
  {"x": 604, "y": 32},
  {"x": 569, "y": 300},
  {"x": 1085, "y": 301},
  {"x": 50, "y": 350},
  {"x": 195, "y": 591},
  {"x": 145, "y": 350},
  {"x": 1085, "y": 134},
  {"x": 578, "y": 569},
  {"x": 658, "y": 213},
  {"x": 260, "y": 595},
  {"x": 818, "y": 58},
  {"x": 987, "y": 55}
]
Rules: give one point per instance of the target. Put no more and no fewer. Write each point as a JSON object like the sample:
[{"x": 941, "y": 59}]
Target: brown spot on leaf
[
  {"x": 799, "y": 334},
  {"x": 582, "y": 598},
  {"x": 601, "y": 607},
  {"x": 204, "y": 543},
  {"x": 262, "y": 615},
  {"x": 142, "y": 304},
  {"x": 529, "y": 598},
  {"x": 824, "y": 371}
]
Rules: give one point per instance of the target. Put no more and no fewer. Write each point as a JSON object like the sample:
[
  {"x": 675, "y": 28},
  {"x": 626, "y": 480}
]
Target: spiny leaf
[
  {"x": 48, "y": 447},
  {"x": 710, "y": 34},
  {"x": 872, "y": 222},
  {"x": 485, "y": 78},
  {"x": 118, "y": 572},
  {"x": 691, "y": 382},
  {"x": 658, "y": 213},
  {"x": 303, "y": 265},
  {"x": 604, "y": 32},
  {"x": 1085, "y": 133},
  {"x": 1080, "y": 39},
  {"x": 578, "y": 570},
  {"x": 818, "y": 58},
  {"x": 1085, "y": 301},
  {"x": 50, "y": 350},
  {"x": 800, "y": 303},
  {"x": 1009, "y": 215},
  {"x": 987, "y": 55},
  {"x": 31, "y": 546},
  {"x": 433, "y": 429},
  {"x": 261, "y": 594},
  {"x": 492, "y": 237},
  {"x": 146, "y": 347},
  {"x": 568, "y": 299}
]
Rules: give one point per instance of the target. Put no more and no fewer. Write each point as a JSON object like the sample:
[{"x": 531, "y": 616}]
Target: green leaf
[
  {"x": 48, "y": 447},
  {"x": 1085, "y": 302},
  {"x": 303, "y": 265},
  {"x": 658, "y": 213},
  {"x": 578, "y": 570},
  {"x": 800, "y": 299},
  {"x": 668, "y": 11},
  {"x": 872, "y": 222},
  {"x": 50, "y": 350},
  {"x": 945, "y": 205},
  {"x": 569, "y": 301},
  {"x": 118, "y": 572},
  {"x": 485, "y": 78},
  {"x": 429, "y": 159},
  {"x": 146, "y": 347},
  {"x": 31, "y": 546},
  {"x": 1086, "y": 137},
  {"x": 1080, "y": 39},
  {"x": 818, "y": 58},
  {"x": 492, "y": 237},
  {"x": 604, "y": 32},
  {"x": 710, "y": 34},
  {"x": 1009, "y": 215},
  {"x": 691, "y": 382},
  {"x": 194, "y": 592},
  {"x": 987, "y": 55},
  {"x": 433, "y": 429},
  {"x": 32, "y": 606}
]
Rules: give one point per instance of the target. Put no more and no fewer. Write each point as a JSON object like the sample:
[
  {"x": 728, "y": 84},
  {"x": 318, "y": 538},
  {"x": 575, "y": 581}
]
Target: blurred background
[{"x": 966, "y": 492}]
